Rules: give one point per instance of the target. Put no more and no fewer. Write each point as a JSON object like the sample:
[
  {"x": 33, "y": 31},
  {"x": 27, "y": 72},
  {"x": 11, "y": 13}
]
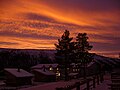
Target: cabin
[
  {"x": 42, "y": 75},
  {"x": 48, "y": 67},
  {"x": 17, "y": 77}
]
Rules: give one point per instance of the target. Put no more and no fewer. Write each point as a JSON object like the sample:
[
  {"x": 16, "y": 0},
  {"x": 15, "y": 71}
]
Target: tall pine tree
[
  {"x": 82, "y": 48},
  {"x": 64, "y": 50}
]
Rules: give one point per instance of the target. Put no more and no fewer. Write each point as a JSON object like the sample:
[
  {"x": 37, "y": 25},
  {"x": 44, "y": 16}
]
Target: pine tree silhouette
[
  {"x": 63, "y": 51},
  {"x": 82, "y": 47}
]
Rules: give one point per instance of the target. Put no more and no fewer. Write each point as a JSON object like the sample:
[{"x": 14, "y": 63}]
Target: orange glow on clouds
[{"x": 37, "y": 24}]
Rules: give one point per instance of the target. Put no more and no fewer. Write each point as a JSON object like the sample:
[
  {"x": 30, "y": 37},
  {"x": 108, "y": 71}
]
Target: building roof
[
  {"x": 22, "y": 73},
  {"x": 90, "y": 64},
  {"x": 73, "y": 74},
  {"x": 46, "y": 72},
  {"x": 44, "y": 65}
]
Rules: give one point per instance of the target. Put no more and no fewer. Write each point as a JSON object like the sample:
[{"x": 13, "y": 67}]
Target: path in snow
[{"x": 53, "y": 85}]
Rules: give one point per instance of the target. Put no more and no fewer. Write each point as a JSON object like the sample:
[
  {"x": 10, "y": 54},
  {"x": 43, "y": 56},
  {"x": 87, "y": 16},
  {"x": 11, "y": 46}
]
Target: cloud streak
[{"x": 8, "y": 43}]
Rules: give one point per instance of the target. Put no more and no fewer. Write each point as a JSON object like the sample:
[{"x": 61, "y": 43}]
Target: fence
[
  {"x": 89, "y": 83},
  {"x": 115, "y": 79}
]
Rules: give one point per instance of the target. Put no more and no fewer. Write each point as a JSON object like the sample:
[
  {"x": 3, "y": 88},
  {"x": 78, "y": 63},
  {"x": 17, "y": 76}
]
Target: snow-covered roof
[
  {"x": 91, "y": 63},
  {"x": 117, "y": 60},
  {"x": 22, "y": 73},
  {"x": 97, "y": 61},
  {"x": 44, "y": 65},
  {"x": 112, "y": 61},
  {"x": 46, "y": 72},
  {"x": 108, "y": 61},
  {"x": 72, "y": 64},
  {"x": 104, "y": 60},
  {"x": 75, "y": 64},
  {"x": 72, "y": 74}
]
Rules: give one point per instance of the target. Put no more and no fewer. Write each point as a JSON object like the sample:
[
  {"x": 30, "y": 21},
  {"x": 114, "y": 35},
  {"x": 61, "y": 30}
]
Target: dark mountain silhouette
[{"x": 50, "y": 53}]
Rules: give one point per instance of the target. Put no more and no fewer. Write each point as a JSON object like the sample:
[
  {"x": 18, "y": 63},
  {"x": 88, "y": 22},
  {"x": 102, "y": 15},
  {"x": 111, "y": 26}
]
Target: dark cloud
[
  {"x": 39, "y": 17},
  {"x": 110, "y": 43},
  {"x": 113, "y": 39},
  {"x": 8, "y": 43},
  {"x": 34, "y": 16},
  {"x": 102, "y": 46},
  {"x": 27, "y": 35},
  {"x": 89, "y": 5},
  {"x": 108, "y": 21}
]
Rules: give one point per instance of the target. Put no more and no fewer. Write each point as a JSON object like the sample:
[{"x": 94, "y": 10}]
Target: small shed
[
  {"x": 44, "y": 75},
  {"x": 15, "y": 77}
]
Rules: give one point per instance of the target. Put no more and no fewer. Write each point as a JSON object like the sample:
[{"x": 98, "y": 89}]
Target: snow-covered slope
[{"x": 106, "y": 60}]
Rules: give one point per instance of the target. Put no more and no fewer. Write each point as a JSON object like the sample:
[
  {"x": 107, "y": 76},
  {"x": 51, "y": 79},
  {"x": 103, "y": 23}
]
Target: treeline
[{"x": 16, "y": 58}]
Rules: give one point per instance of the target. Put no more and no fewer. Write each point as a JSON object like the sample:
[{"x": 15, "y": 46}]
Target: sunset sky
[{"x": 37, "y": 24}]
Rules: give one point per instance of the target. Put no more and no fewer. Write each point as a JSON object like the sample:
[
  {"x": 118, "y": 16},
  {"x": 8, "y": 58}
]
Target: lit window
[
  {"x": 57, "y": 74},
  {"x": 51, "y": 69}
]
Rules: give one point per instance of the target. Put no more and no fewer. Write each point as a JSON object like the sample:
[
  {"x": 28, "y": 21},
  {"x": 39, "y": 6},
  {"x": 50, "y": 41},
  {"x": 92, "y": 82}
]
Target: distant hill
[
  {"x": 26, "y": 58},
  {"x": 36, "y": 52},
  {"x": 51, "y": 53}
]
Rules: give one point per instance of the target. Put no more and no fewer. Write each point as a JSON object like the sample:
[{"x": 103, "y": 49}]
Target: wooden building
[
  {"x": 15, "y": 77},
  {"x": 44, "y": 75},
  {"x": 48, "y": 67}
]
